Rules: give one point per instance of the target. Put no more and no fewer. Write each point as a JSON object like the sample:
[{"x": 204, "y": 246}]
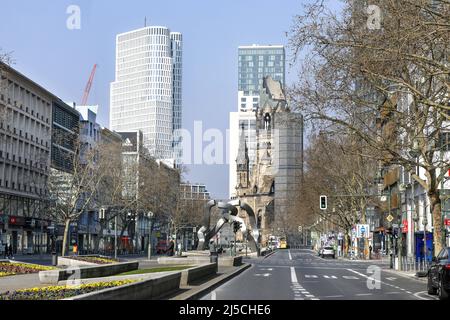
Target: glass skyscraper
[
  {"x": 257, "y": 62},
  {"x": 147, "y": 92}
]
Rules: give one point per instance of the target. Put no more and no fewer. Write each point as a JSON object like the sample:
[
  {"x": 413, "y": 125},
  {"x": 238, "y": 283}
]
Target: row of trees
[
  {"x": 376, "y": 79},
  {"x": 127, "y": 186}
]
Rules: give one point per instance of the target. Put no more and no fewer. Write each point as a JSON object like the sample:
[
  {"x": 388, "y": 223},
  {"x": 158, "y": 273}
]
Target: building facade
[
  {"x": 147, "y": 92},
  {"x": 26, "y": 156},
  {"x": 255, "y": 63},
  {"x": 271, "y": 187}
]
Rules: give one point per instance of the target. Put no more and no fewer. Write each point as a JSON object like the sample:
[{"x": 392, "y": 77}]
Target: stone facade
[{"x": 272, "y": 183}]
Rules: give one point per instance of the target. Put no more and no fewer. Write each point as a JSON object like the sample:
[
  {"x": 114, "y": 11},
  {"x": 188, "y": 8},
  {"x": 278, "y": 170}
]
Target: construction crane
[{"x": 87, "y": 90}]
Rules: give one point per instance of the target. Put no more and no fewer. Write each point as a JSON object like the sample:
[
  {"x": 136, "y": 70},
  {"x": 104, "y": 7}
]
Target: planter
[{"x": 85, "y": 272}]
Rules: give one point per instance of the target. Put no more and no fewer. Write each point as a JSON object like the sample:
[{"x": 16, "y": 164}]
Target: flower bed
[
  {"x": 60, "y": 292},
  {"x": 14, "y": 268},
  {"x": 6, "y": 274},
  {"x": 97, "y": 260}
]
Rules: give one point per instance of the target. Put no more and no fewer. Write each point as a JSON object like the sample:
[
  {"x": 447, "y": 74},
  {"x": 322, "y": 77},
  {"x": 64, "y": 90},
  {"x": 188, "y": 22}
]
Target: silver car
[{"x": 327, "y": 251}]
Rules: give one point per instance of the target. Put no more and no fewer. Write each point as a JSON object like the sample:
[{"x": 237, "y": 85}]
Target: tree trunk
[
  {"x": 66, "y": 235},
  {"x": 436, "y": 210}
]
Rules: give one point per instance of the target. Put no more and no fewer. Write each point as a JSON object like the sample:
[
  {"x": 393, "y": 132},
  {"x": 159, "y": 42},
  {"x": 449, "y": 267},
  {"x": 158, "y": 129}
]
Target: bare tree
[
  {"x": 386, "y": 83},
  {"x": 75, "y": 191}
]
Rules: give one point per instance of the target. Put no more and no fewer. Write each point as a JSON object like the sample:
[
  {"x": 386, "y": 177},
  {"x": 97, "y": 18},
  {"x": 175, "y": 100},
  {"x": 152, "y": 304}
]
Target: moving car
[
  {"x": 439, "y": 275},
  {"x": 327, "y": 251}
]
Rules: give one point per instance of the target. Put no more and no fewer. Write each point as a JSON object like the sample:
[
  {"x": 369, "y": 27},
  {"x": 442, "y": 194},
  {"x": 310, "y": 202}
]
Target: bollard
[{"x": 54, "y": 259}]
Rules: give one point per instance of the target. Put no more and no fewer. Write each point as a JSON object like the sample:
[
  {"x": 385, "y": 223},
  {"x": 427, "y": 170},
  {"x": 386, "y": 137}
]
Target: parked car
[
  {"x": 162, "y": 246},
  {"x": 439, "y": 275},
  {"x": 327, "y": 251}
]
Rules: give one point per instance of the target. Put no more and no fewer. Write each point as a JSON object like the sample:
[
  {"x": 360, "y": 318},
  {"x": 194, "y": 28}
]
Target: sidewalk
[
  {"x": 18, "y": 282},
  {"x": 383, "y": 260}
]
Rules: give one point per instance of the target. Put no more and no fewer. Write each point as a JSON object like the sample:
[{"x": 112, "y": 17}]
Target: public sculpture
[{"x": 229, "y": 214}]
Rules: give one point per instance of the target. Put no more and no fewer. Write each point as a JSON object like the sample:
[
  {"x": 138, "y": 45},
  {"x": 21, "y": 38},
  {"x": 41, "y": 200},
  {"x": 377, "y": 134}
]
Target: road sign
[
  {"x": 390, "y": 218},
  {"x": 362, "y": 231}
]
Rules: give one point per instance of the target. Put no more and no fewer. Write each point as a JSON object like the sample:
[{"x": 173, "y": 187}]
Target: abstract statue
[{"x": 229, "y": 213}]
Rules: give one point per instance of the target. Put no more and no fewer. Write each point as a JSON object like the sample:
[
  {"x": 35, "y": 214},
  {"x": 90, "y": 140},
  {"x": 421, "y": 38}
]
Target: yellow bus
[{"x": 283, "y": 243}]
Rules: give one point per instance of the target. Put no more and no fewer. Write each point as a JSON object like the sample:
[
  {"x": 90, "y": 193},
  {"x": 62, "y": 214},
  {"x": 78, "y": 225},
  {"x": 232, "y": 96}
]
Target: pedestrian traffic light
[{"x": 323, "y": 203}]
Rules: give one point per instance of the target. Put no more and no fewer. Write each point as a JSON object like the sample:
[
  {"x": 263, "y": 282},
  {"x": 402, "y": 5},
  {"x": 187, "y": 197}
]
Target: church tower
[{"x": 242, "y": 163}]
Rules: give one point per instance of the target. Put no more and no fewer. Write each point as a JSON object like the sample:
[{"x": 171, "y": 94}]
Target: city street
[{"x": 302, "y": 275}]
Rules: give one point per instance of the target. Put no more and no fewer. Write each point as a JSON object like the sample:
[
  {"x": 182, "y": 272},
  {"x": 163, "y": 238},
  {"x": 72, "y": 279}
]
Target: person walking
[
  {"x": 10, "y": 252},
  {"x": 171, "y": 249},
  {"x": 213, "y": 252}
]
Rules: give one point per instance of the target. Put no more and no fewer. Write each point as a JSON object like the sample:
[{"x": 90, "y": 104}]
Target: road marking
[
  {"x": 350, "y": 278},
  {"x": 391, "y": 278},
  {"x": 393, "y": 293},
  {"x": 333, "y": 277},
  {"x": 326, "y": 277},
  {"x": 417, "y": 295},
  {"x": 310, "y": 276},
  {"x": 290, "y": 257},
  {"x": 263, "y": 275},
  {"x": 293, "y": 276},
  {"x": 363, "y": 294},
  {"x": 213, "y": 296},
  {"x": 339, "y": 296},
  {"x": 266, "y": 269}
]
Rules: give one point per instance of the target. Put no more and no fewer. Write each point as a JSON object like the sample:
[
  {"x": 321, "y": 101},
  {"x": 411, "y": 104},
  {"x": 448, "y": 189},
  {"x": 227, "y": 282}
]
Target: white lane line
[
  {"x": 293, "y": 276},
  {"x": 350, "y": 277},
  {"x": 311, "y": 276},
  {"x": 290, "y": 257},
  {"x": 393, "y": 293},
  {"x": 363, "y": 294},
  {"x": 338, "y": 296},
  {"x": 213, "y": 296}
]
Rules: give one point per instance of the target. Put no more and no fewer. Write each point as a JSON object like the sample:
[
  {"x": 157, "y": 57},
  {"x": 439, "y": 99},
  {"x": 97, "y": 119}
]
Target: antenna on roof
[{"x": 145, "y": 22}]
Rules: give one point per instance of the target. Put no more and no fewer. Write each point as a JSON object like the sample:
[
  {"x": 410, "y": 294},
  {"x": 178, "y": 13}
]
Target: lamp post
[{"x": 150, "y": 217}]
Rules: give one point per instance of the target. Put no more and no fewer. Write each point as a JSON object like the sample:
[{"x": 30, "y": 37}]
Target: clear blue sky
[{"x": 61, "y": 59}]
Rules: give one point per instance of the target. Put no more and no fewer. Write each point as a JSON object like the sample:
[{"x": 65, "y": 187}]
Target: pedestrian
[
  {"x": 370, "y": 252},
  {"x": 75, "y": 249},
  {"x": 171, "y": 249},
  {"x": 213, "y": 251},
  {"x": 10, "y": 252}
]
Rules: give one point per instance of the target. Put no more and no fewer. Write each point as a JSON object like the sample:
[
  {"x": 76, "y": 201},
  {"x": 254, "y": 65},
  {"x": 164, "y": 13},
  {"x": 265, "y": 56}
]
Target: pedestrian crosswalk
[{"x": 324, "y": 276}]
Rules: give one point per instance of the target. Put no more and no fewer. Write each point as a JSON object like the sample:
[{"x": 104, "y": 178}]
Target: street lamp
[{"x": 150, "y": 216}]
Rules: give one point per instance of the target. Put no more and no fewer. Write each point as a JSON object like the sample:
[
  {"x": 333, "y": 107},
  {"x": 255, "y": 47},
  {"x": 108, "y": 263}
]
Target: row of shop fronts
[{"x": 35, "y": 236}]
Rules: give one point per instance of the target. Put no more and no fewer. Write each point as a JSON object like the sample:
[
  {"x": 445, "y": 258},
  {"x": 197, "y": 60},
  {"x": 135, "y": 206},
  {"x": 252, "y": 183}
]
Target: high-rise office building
[
  {"x": 147, "y": 92},
  {"x": 255, "y": 63}
]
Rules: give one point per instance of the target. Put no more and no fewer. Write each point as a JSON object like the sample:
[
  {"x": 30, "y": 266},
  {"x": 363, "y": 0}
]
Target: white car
[{"x": 327, "y": 251}]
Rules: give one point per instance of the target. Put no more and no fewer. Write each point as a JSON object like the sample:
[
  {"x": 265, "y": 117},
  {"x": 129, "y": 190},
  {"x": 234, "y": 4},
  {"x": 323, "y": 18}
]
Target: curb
[{"x": 201, "y": 292}]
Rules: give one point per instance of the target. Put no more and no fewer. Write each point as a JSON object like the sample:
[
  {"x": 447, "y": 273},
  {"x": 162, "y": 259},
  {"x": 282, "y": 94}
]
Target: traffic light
[{"x": 323, "y": 203}]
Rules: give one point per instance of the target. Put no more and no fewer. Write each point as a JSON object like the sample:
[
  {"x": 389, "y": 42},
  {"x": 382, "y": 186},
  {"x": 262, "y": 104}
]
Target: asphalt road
[{"x": 302, "y": 275}]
